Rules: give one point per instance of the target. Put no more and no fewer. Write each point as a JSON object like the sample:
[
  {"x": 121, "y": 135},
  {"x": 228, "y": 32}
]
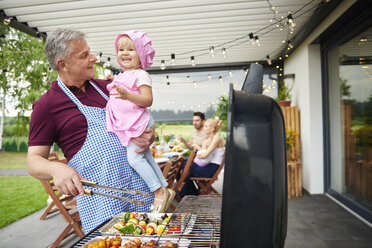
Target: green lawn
[
  {"x": 184, "y": 130},
  {"x": 13, "y": 160},
  {"x": 19, "y": 197}
]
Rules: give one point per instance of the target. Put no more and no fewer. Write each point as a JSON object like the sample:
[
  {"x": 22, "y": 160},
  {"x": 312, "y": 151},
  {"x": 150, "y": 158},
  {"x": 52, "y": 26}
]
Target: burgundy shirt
[{"x": 55, "y": 118}]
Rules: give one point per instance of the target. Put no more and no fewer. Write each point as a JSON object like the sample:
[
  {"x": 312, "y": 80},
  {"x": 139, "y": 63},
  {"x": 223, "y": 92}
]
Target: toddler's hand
[
  {"x": 123, "y": 94},
  {"x": 109, "y": 77}
]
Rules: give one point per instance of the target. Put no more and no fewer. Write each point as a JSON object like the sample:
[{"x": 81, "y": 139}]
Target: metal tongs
[{"x": 127, "y": 191}]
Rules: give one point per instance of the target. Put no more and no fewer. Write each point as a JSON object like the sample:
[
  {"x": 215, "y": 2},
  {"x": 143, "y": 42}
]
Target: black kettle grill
[{"x": 254, "y": 202}]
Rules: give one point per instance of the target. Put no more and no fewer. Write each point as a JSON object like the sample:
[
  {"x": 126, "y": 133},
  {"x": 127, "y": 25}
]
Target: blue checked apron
[{"x": 103, "y": 159}]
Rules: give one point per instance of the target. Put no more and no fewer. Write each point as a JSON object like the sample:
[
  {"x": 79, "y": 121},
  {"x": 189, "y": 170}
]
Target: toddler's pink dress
[{"x": 123, "y": 117}]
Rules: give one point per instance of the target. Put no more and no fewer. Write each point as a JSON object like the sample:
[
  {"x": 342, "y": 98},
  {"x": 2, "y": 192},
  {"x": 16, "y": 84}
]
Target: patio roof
[{"x": 184, "y": 28}]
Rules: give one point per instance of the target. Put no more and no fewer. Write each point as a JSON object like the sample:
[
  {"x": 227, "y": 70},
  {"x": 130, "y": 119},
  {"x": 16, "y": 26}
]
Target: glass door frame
[{"x": 354, "y": 21}]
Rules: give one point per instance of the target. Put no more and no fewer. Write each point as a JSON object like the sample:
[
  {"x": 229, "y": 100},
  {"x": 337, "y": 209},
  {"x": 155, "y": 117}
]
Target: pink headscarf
[{"x": 143, "y": 46}]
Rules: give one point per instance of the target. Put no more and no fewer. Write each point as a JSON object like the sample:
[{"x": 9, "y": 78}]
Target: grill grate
[{"x": 205, "y": 227}]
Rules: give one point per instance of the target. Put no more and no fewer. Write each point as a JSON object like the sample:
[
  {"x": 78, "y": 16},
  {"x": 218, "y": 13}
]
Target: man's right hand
[{"x": 66, "y": 179}]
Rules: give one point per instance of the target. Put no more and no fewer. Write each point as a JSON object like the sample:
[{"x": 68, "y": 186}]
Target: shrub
[{"x": 23, "y": 147}]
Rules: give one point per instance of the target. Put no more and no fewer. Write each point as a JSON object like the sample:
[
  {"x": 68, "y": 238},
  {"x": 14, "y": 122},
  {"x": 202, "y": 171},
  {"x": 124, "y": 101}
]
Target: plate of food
[{"x": 149, "y": 224}]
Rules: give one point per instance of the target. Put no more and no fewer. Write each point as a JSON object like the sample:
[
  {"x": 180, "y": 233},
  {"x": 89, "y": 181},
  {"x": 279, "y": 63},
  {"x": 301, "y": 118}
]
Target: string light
[
  {"x": 162, "y": 65},
  {"x": 7, "y": 20},
  {"x": 268, "y": 60},
  {"x": 188, "y": 79},
  {"x": 99, "y": 57},
  {"x": 251, "y": 38},
  {"x": 209, "y": 77},
  {"x": 173, "y": 59},
  {"x": 223, "y": 52},
  {"x": 107, "y": 64},
  {"x": 192, "y": 61},
  {"x": 280, "y": 23},
  {"x": 168, "y": 82},
  {"x": 257, "y": 40},
  {"x": 290, "y": 46},
  {"x": 221, "y": 80},
  {"x": 291, "y": 23},
  {"x": 211, "y": 51},
  {"x": 194, "y": 83},
  {"x": 230, "y": 73}
]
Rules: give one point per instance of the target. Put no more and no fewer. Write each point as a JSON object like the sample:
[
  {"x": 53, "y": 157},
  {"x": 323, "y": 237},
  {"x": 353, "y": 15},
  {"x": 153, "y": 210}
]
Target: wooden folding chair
[
  {"x": 177, "y": 187},
  {"x": 171, "y": 170},
  {"x": 64, "y": 204},
  {"x": 205, "y": 183}
]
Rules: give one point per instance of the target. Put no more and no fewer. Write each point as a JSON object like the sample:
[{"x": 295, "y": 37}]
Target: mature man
[
  {"x": 72, "y": 114},
  {"x": 197, "y": 135}
]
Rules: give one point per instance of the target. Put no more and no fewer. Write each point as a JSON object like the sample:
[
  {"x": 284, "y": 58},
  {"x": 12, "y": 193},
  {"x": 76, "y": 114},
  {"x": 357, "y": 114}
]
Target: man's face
[
  {"x": 197, "y": 122},
  {"x": 79, "y": 65}
]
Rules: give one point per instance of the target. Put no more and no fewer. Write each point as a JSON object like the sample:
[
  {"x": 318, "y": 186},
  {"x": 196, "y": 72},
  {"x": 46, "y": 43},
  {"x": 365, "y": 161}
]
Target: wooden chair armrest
[{"x": 200, "y": 178}]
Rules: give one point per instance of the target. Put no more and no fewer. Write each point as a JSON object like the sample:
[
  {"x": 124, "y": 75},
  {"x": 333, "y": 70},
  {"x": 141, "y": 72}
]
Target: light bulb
[
  {"x": 192, "y": 61},
  {"x": 162, "y": 65},
  {"x": 173, "y": 59}
]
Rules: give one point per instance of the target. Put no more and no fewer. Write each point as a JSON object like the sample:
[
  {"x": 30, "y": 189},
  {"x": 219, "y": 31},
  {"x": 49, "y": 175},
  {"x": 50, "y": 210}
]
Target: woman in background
[{"x": 209, "y": 156}]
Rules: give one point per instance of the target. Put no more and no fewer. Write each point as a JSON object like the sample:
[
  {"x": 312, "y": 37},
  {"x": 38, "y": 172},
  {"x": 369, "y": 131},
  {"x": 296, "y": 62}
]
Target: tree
[
  {"x": 27, "y": 73},
  {"x": 222, "y": 111},
  {"x": 344, "y": 87}
]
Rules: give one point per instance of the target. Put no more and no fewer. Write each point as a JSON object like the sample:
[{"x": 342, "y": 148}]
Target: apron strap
[
  {"x": 73, "y": 98},
  {"x": 99, "y": 90}
]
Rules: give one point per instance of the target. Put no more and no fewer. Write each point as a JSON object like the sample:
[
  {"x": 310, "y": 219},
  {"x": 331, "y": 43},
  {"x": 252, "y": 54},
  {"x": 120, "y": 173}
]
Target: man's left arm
[{"x": 145, "y": 139}]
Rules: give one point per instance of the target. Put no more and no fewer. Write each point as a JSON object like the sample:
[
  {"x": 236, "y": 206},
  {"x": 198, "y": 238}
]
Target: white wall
[{"x": 305, "y": 63}]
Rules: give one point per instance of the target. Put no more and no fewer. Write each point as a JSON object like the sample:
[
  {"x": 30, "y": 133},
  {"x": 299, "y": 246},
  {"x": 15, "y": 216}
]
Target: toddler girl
[{"x": 126, "y": 113}]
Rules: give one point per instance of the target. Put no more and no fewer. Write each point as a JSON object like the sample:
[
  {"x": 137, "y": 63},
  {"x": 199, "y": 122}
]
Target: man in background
[{"x": 197, "y": 135}]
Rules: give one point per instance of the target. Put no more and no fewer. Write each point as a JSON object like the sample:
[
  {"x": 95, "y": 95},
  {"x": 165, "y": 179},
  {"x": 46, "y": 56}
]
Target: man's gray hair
[{"x": 57, "y": 42}]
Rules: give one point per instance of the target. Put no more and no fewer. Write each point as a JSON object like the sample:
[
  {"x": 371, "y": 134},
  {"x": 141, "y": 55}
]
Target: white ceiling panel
[{"x": 186, "y": 28}]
